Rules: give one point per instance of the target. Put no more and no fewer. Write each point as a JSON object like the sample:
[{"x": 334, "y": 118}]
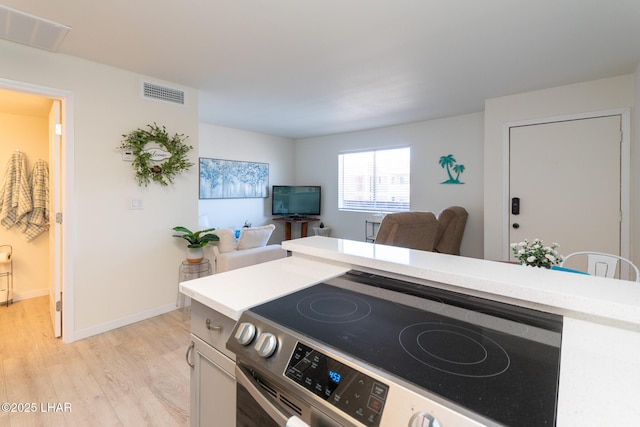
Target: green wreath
[{"x": 146, "y": 167}]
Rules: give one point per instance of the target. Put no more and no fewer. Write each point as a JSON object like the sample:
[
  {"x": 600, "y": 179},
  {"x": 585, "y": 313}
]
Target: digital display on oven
[
  {"x": 347, "y": 389},
  {"x": 335, "y": 376}
]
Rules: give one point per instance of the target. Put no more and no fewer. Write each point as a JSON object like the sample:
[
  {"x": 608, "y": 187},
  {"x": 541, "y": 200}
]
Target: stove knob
[
  {"x": 245, "y": 333},
  {"x": 266, "y": 344},
  {"x": 422, "y": 419}
]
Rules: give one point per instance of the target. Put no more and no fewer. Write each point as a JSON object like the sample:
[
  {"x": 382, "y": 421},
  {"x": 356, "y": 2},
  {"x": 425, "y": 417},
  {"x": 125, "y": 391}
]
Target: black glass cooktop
[{"x": 497, "y": 360}]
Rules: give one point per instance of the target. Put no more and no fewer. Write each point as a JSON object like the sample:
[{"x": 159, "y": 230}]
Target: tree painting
[
  {"x": 228, "y": 179},
  {"x": 448, "y": 163}
]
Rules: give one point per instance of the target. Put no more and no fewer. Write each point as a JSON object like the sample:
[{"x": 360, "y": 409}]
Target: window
[{"x": 374, "y": 180}]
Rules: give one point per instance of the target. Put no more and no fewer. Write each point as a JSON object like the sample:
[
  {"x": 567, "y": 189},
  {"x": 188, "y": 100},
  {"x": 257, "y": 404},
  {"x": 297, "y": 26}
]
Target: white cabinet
[{"x": 213, "y": 386}]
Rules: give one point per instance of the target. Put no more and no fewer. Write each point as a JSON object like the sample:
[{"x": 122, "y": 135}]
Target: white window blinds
[{"x": 375, "y": 180}]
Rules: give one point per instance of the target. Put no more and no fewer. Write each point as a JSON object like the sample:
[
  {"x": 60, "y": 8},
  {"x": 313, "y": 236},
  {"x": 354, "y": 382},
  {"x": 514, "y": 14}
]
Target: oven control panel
[{"x": 347, "y": 389}]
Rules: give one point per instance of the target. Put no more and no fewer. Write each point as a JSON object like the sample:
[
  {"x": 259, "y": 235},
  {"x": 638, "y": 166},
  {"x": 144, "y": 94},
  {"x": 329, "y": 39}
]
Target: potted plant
[
  {"x": 197, "y": 240},
  {"x": 535, "y": 254}
]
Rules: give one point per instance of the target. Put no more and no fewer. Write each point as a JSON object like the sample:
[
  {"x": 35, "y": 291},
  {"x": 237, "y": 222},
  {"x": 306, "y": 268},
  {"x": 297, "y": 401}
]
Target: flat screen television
[{"x": 295, "y": 200}]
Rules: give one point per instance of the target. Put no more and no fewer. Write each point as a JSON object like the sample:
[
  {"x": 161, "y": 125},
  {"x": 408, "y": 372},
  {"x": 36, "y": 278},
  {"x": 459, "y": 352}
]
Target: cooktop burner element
[
  {"x": 334, "y": 308},
  {"x": 494, "y": 359},
  {"x": 454, "y": 349}
]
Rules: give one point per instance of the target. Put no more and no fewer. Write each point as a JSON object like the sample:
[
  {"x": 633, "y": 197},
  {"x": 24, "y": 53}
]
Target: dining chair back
[{"x": 604, "y": 265}]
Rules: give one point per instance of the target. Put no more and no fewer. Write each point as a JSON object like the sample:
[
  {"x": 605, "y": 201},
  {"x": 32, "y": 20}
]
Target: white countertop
[
  {"x": 234, "y": 291},
  {"x": 582, "y": 296},
  {"x": 319, "y": 258}
]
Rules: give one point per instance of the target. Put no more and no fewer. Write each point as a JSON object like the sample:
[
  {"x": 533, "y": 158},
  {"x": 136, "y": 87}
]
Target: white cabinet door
[
  {"x": 567, "y": 177},
  {"x": 213, "y": 387}
]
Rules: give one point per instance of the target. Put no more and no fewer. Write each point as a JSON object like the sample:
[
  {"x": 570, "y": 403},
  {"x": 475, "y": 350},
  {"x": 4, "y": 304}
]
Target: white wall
[
  {"x": 599, "y": 95},
  {"x": 635, "y": 165},
  {"x": 122, "y": 264},
  {"x": 317, "y": 164},
  {"x": 30, "y": 135},
  {"x": 218, "y": 142}
]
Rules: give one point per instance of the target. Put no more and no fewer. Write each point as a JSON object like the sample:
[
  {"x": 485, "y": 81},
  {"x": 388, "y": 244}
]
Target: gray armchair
[
  {"x": 451, "y": 225},
  {"x": 413, "y": 230}
]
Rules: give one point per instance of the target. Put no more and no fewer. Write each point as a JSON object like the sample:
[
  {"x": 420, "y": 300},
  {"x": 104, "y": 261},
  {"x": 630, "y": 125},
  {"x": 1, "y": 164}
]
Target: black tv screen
[{"x": 295, "y": 200}]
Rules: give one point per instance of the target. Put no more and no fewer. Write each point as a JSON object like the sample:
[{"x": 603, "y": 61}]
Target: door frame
[
  {"x": 625, "y": 170},
  {"x": 67, "y": 188}
]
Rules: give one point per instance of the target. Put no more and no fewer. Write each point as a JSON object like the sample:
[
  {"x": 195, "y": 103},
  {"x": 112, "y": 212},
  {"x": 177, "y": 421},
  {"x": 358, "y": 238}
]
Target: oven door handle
[{"x": 254, "y": 390}]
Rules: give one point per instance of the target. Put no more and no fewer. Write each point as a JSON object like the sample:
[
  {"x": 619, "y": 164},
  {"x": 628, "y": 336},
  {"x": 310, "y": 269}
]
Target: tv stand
[{"x": 296, "y": 219}]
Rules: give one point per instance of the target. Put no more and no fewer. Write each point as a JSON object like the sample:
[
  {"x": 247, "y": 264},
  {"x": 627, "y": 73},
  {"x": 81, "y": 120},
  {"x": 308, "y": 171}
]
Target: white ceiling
[{"x": 300, "y": 68}]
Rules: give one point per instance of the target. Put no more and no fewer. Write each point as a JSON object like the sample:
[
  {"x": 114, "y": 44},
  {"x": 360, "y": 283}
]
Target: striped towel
[
  {"x": 36, "y": 222},
  {"x": 15, "y": 197}
]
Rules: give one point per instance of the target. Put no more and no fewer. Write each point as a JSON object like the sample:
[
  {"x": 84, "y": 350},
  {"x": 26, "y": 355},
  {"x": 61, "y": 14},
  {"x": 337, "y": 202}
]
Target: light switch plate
[{"x": 135, "y": 203}]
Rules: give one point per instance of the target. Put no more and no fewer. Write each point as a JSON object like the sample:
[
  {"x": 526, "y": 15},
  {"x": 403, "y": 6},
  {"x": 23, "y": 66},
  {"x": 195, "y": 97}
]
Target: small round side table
[{"x": 190, "y": 271}]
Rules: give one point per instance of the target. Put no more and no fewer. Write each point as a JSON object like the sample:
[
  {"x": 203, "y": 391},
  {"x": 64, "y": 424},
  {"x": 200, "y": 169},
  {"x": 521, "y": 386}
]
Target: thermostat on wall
[{"x": 127, "y": 155}]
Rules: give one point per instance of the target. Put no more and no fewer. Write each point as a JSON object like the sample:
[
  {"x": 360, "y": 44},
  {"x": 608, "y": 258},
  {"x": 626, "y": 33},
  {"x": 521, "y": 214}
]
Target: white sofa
[
  {"x": 246, "y": 257},
  {"x": 250, "y": 248}
]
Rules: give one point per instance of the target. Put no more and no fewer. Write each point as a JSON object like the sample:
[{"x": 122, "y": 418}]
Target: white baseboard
[
  {"x": 18, "y": 296},
  {"x": 118, "y": 323},
  {"x": 104, "y": 327}
]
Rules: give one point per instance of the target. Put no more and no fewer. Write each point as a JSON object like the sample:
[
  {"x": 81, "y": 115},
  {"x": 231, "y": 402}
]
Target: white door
[
  {"x": 55, "y": 229},
  {"x": 567, "y": 177}
]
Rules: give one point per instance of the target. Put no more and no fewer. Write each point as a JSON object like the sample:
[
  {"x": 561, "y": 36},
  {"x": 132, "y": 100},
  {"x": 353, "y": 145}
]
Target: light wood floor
[{"x": 132, "y": 376}]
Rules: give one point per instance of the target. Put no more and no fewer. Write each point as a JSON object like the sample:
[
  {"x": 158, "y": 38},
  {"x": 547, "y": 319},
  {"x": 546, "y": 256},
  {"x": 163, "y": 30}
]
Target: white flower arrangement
[{"x": 536, "y": 254}]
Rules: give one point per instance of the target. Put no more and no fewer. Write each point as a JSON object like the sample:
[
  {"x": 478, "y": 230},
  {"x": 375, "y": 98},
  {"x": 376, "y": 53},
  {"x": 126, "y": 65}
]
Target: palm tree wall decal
[{"x": 448, "y": 163}]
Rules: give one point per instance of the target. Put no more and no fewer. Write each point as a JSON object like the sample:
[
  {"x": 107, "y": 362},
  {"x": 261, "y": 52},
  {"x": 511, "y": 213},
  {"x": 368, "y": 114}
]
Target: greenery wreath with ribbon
[{"x": 147, "y": 163}]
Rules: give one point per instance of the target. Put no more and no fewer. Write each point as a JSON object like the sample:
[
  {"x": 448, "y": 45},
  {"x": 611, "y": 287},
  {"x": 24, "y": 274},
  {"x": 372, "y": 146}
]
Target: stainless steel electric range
[{"x": 367, "y": 350}]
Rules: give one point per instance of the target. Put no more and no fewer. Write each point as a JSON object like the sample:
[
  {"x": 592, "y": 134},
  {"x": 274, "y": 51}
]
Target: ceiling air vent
[
  {"x": 31, "y": 30},
  {"x": 162, "y": 93}
]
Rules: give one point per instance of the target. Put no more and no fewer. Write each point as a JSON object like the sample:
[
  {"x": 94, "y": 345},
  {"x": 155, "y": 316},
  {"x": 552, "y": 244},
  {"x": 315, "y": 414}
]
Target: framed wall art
[{"x": 230, "y": 179}]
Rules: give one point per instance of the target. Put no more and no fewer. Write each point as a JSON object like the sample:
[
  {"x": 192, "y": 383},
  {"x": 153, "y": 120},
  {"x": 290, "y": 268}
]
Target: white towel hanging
[
  {"x": 36, "y": 222},
  {"x": 15, "y": 197}
]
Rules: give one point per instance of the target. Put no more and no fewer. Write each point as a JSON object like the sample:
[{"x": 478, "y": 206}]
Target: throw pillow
[
  {"x": 255, "y": 237},
  {"x": 227, "y": 242}
]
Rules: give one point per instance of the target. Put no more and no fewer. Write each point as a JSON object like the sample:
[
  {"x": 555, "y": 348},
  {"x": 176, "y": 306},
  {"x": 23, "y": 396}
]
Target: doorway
[
  {"x": 41, "y": 109},
  {"x": 568, "y": 183}
]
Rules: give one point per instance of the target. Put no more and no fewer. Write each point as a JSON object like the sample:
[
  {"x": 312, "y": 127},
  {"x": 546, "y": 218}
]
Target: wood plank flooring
[{"x": 132, "y": 376}]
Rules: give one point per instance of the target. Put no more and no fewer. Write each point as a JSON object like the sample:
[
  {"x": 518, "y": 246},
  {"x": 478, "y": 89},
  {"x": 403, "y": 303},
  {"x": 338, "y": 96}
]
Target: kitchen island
[{"x": 600, "y": 367}]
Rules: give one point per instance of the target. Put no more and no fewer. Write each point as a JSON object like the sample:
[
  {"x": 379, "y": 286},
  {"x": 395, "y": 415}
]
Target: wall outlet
[{"x": 127, "y": 156}]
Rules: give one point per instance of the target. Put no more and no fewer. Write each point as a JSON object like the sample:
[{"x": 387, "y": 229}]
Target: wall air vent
[{"x": 162, "y": 93}]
